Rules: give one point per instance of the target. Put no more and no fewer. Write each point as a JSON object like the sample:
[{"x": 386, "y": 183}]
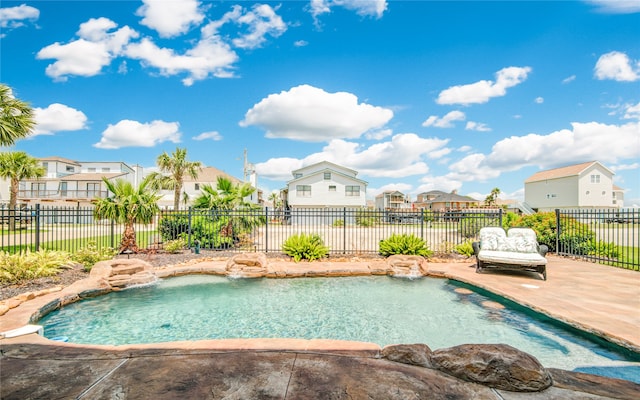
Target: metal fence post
[
  {"x": 500, "y": 216},
  {"x": 113, "y": 233},
  {"x": 189, "y": 228},
  {"x": 558, "y": 230},
  {"x": 344, "y": 230},
  {"x": 266, "y": 230},
  {"x": 37, "y": 233}
]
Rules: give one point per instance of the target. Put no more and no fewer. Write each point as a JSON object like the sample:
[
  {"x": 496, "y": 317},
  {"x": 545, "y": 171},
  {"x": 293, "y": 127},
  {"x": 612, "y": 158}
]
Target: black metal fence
[
  {"x": 605, "y": 236},
  {"x": 343, "y": 230}
]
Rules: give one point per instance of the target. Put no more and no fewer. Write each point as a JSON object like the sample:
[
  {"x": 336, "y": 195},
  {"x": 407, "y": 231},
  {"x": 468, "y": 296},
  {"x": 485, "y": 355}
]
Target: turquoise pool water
[{"x": 374, "y": 309}]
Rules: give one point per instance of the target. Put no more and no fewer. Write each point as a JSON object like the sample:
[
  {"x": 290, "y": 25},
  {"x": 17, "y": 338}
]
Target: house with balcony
[
  {"x": 585, "y": 185},
  {"x": 436, "y": 200},
  {"x": 392, "y": 200},
  {"x": 69, "y": 182}
]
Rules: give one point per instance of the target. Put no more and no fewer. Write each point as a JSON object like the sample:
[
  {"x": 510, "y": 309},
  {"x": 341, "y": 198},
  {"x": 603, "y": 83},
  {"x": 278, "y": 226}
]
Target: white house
[
  {"x": 585, "y": 185},
  {"x": 392, "y": 200},
  {"x": 69, "y": 182},
  {"x": 325, "y": 185},
  {"x": 206, "y": 176}
]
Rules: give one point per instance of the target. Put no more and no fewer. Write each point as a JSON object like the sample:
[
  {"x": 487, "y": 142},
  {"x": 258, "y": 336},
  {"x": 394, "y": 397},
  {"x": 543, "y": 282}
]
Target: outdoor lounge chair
[{"x": 517, "y": 250}]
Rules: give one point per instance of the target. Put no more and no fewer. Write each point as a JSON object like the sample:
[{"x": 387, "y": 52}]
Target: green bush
[
  {"x": 471, "y": 224},
  {"x": 404, "y": 244},
  {"x": 544, "y": 224},
  {"x": 338, "y": 223},
  {"x": 20, "y": 267},
  {"x": 509, "y": 219},
  {"x": 604, "y": 249},
  {"x": 305, "y": 247},
  {"x": 172, "y": 227},
  {"x": 91, "y": 254},
  {"x": 466, "y": 248},
  {"x": 175, "y": 246}
]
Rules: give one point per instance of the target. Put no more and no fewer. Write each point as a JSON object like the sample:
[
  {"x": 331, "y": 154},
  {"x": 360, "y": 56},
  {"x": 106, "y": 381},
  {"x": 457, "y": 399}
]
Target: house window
[
  {"x": 352, "y": 191},
  {"x": 327, "y": 176},
  {"x": 303, "y": 190},
  {"x": 332, "y": 188},
  {"x": 93, "y": 189},
  {"x": 196, "y": 186},
  {"x": 595, "y": 178},
  {"x": 38, "y": 189},
  {"x": 297, "y": 175},
  {"x": 63, "y": 189},
  {"x": 91, "y": 169},
  {"x": 107, "y": 169},
  {"x": 45, "y": 165},
  {"x": 69, "y": 168}
]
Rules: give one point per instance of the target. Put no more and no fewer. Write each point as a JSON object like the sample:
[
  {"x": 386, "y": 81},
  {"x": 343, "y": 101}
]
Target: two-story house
[
  {"x": 585, "y": 185},
  {"x": 324, "y": 185},
  {"x": 392, "y": 200},
  {"x": 436, "y": 200},
  {"x": 74, "y": 182}
]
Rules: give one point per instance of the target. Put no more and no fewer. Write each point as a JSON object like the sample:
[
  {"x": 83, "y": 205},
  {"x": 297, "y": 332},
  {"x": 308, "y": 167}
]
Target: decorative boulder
[
  {"x": 412, "y": 354},
  {"x": 247, "y": 265},
  {"x": 120, "y": 273},
  {"x": 499, "y": 366}
]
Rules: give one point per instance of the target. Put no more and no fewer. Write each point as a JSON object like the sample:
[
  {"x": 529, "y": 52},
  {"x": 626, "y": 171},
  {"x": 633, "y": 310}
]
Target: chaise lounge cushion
[{"x": 518, "y": 247}]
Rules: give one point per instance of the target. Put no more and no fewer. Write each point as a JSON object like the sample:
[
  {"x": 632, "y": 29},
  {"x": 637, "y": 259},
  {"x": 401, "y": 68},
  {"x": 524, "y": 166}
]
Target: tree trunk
[
  {"x": 13, "y": 202},
  {"x": 176, "y": 196},
  {"x": 128, "y": 242}
]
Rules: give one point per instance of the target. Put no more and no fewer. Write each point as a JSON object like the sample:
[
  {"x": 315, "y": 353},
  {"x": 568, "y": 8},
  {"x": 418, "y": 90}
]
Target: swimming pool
[{"x": 381, "y": 310}]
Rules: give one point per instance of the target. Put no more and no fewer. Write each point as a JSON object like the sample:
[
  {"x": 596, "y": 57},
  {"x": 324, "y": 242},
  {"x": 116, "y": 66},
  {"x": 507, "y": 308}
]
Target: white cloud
[
  {"x": 399, "y": 157},
  {"x": 365, "y": 8},
  {"x": 632, "y": 112},
  {"x": 625, "y": 167},
  {"x": 87, "y": 56},
  {"x": 214, "y": 135},
  {"x": 310, "y": 114},
  {"x": 539, "y": 100},
  {"x": 210, "y": 56},
  {"x": 446, "y": 121},
  {"x": 616, "y": 6},
  {"x": 262, "y": 20},
  {"x": 569, "y": 79},
  {"x": 58, "y": 117},
  {"x": 300, "y": 43},
  {"x": 585, "y": 141},
  {"x": 170, "y": 18},
  {"x": 477, "y": 126},
  {"x": 400, "y": 187},
  {"x": 443, "y": 183},
  {"x": 617, "y": 66},
  {"x": 14, "y": 17},
  {"x": 482, "y": 91},
  {"x": 127, "y": 133}
]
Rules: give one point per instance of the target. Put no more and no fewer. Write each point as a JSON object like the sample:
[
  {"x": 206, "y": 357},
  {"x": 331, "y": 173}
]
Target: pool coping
[{"x": 614, "y": 322}]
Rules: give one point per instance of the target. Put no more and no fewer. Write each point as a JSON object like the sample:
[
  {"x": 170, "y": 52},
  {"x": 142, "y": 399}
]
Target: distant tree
[
  {"x": 226, "y": 196},
  {"x": 16, "y": 166},
  {"x": 173, "y": 169},
  {"x": 275, "y": 200},
  {"x": 16, "y": 117},
  {"x": 128, "y": 205},
  {"x": 492, "y": 198}
]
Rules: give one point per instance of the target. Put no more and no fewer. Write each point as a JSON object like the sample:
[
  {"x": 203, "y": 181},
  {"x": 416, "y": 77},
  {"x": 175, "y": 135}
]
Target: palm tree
[
  {"x": 16, "y": 166},
  {"x": 226, "y": 196},
  {"x": 16, "y": 118},
  {"x": 491, "y": 199},
  {"x": 128, "y": 205},
  {"x": 173, "y": 169}
]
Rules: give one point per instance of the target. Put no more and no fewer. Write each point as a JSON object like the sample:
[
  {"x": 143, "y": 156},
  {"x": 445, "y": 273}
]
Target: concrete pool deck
[{"x": 599, "y": 299}]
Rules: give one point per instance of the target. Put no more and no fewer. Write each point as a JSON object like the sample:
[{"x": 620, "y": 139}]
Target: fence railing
[{"x": 605, "y": 236}]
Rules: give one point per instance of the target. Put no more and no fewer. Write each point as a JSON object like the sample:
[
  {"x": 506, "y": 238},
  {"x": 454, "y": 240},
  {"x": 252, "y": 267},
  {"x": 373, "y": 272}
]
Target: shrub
[
  {"x": 544, "y": 224},
  {"x": 305, "y": 247},
  {"x": 175, "y": 246},
  {"x": 171, "y": 227},
  {"x": 91, "y": 254},
  {"x": 470, "y": 225},
  {"x": 404, "y": 244},
  {"x": 366, "y": 218},
  {"x": 338, "y": 223},
  {"x": 19, "y": 267},
  {"x": 466, "y": 248},
  {"x": 604, "y": 249}
]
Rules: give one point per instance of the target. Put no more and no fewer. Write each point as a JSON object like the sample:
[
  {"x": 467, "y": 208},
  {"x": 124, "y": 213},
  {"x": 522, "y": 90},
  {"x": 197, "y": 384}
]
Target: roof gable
[
  {"x": 325, "y": 165},
  {"x": 563, "y": 172}
]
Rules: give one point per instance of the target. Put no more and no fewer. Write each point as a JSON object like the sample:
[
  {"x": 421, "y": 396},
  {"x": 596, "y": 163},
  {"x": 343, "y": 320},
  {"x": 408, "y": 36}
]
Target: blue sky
[{"x": 414, "y": 95}]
